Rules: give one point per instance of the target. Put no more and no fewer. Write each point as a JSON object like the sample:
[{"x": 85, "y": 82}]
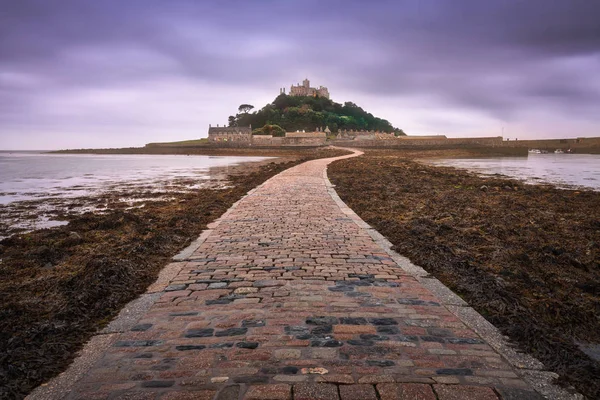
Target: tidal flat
[
  {"x": 60, "y": 285},
  {"x": 527, "y": 257}
]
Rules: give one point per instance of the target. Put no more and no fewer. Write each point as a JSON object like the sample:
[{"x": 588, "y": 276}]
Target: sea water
[
  {"x": 36, "y": 175},
  {"x": 567, "y": 171},
  {"x": 36, "y": 188}
]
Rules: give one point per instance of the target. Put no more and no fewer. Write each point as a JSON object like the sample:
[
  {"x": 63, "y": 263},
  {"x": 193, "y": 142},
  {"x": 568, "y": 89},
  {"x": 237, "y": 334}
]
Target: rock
[
  {"x": 381, "y": 363},
  {"x": 390, "y": 330},
  {"x": 157, "y": 384},
  {"x": 321, "y": 320},
  {"x": 252, "y": 323},
  {"x": 175, "y": 287},
  {"x": 247, "y": 345},
  {"x": 318, "y": 370},
  {"x": 232, "y": 332},
  {"x": 454, "y": 371},
  {"x": 268, "y": 283},
  {"x": 383, "y": 321},
  {"x": 190, "y": 347},
  {"x": 326, "y": 343},
  {"x": 141, "y": 327},
  {"x": 206, "y": 332},
  {"x": 353, "y": 321},
  {"x": 75, "y": 236}
]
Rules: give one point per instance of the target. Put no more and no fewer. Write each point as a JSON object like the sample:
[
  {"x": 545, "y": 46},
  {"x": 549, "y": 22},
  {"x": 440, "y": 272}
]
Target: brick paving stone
[
  {"x": 269, "y": 392},
  {"x": 315, "y": 391},
  {"x": 229, "y": 393},
  {"x": 518, "y": 394},
  {"x": 455, "y": 392},
  {"x": 288, "y": 293},
  {"x": 195, "y": 395},
  {"x": 405, "y": 391},
  {"x": 355, "y": 392}
]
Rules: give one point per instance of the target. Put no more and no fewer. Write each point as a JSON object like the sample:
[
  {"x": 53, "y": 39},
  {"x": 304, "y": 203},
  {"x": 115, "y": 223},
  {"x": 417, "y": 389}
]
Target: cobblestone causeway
[{"x": 288, "y": 298}]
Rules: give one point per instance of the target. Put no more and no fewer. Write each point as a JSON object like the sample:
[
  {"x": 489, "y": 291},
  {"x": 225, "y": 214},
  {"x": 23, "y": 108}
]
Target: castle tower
[{"x": 306, "y": 90}]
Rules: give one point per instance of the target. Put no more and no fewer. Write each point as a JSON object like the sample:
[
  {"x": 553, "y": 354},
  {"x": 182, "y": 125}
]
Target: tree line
[{"x": 292, "y": 113}]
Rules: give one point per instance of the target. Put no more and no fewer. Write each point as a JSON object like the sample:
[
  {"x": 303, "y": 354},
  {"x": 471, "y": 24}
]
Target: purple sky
[{"x": 115, "y": 73}]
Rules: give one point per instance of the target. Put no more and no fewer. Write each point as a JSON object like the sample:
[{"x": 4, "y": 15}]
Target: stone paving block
[
  {"x": 457, "y": 392},
  {"x": 269, "y": 392},
  {"x": 518, "y": 394},
  {"x": 315, "y": 391},
  {"x": 192, "y": 395},
  {"x": 405, "y": 391},
  {"x": 289, "y": 295},
  {"x": 355, "y": 392},
  {"x": 229, "y": 393}
]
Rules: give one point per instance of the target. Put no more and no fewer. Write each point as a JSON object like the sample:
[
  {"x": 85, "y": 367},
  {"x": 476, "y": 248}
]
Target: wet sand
[
  {"x": 60, "y": 285},
  {"x": 527, "y": 257}
]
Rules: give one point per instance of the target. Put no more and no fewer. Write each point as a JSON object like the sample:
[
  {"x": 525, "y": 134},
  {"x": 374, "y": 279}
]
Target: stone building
[
  {"x": 306, "y": 90},
  {"x": 230, "y": 134}
]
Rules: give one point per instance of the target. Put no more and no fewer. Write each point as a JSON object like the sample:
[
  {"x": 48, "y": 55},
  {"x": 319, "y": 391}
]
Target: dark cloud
[{"x": 497, "y": 59}]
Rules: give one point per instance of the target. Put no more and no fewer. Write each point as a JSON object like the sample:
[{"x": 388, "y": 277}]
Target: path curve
[{"x": 288, "y": 296}]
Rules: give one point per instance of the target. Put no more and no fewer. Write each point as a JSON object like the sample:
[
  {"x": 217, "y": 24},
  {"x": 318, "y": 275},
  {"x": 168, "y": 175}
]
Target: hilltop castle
[{"x": 306, "y": 90}]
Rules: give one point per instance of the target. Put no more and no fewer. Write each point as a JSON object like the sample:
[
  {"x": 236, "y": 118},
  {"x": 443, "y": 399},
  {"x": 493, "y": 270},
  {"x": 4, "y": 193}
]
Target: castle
[{"x": 306, "y": 90}]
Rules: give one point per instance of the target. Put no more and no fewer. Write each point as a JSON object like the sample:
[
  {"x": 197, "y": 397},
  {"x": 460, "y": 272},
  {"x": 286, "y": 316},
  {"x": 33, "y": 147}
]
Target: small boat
[
  {"x": 535, "y": 151},
  {"x": 559, "y": 151}
]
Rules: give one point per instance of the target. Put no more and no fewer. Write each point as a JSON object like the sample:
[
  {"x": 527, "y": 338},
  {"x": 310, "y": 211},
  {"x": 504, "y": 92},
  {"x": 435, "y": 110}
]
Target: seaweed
[
  {"x": 527, "y": 257},
  {"x": 61, "y": 285}
]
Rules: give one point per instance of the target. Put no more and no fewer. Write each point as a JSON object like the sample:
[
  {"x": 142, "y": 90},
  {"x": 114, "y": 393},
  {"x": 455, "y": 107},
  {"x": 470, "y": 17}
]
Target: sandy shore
[
  {"x": 527, "y": 257},
  {"x": 61, "y": 285}
]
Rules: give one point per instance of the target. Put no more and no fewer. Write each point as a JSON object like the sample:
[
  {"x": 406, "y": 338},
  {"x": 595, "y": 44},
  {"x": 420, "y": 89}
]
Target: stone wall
[
  {"x": 591, "y": 144},
  {"x": 415, "y": 141},
  {"x": 242, "y": 135},
  {"x": 304, "y": 141},
  {"x": 263, "y": 140},
  {"x": 318, "y": 134}
]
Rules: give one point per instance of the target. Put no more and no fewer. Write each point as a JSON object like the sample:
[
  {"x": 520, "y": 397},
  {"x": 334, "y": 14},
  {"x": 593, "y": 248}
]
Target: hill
[{"x": 309, "y": 113}]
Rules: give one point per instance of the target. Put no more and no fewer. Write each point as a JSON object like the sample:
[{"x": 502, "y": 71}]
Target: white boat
[
  {"x": 535, "y": 151},
  {"x": 559, "y": 151}
]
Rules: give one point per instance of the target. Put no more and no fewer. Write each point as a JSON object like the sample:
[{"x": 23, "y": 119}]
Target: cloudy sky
[{"x": 114, "y": 73}]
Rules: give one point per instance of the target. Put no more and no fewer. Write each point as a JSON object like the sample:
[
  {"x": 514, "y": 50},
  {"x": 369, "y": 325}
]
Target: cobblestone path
[{"x": 288, "y": 298}]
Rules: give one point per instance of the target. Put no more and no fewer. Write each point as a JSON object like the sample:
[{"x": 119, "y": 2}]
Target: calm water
[
  {"x": 37, "y": 190},
  {"x": 561, "y": 170},
  {"x": 34, "y": 175}
]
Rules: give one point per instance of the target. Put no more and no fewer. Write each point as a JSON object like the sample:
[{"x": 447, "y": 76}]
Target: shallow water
[
  {"x": 34, "y": 175},
  {"x": 569, "y": 171},
  {"x": 36, "y": 188}
]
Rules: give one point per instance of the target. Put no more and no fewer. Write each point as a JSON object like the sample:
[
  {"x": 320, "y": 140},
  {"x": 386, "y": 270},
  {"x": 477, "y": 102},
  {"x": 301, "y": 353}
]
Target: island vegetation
[{"x": 292, "y": 113}]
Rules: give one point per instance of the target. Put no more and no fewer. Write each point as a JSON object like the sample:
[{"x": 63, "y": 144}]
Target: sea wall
[
  {"x": 580, "y": 145},
  {"x": 263, "y": 140},
  {"x": 415, "y": 141},
  {"x": 270, "y": 141}
]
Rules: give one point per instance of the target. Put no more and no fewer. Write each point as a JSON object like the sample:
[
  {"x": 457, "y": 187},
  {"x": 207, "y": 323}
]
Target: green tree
[
  {"x": 293, "y": 113},
  {"x": 274, "y": 130},
  {"x": 245, "y": 108}
]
